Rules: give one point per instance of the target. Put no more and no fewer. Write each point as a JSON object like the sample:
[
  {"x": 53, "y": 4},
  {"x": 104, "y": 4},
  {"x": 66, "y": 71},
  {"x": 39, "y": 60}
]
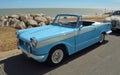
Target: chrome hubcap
[
  {"x": 57, "y": 56},
  {"x": 101, "y": 38}
]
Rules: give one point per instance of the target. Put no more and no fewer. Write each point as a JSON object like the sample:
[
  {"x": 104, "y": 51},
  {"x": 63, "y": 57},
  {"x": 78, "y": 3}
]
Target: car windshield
[{"x": 67, "y": 21}]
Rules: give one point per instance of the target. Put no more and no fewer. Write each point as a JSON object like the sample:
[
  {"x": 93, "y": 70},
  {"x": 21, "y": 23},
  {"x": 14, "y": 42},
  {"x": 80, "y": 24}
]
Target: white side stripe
[{"x": 59, "y": 38}]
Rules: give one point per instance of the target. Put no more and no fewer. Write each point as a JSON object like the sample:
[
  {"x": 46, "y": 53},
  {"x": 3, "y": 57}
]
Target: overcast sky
[{"x": 59, "y": 3}]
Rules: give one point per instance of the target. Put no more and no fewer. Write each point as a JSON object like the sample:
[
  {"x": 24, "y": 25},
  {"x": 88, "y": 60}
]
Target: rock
[
  {"x": 38, "y": 19},
  {"x": 36, "y": 15},
  {"x": 6, "y": 23},
  {"x": 25, "y": 18},
  {"x": 32, "y": 22},
  {"x": 6, "y": 17},
  {"x": 49, "y": 19},
  {"x": 2, "y": 18},
  {"x": 41, "y": 24},
  {"x": 14, "y": 16},
  {"x": 41, "y": 19},
  {"x": 9, "y": 20},
  {"x": 29, "y": 26},
  {"x": 2, "y": 23},
  {"x": 22, "y": 21},
  {"x": 43, "y": 15},
  {"x": 32, "y": 15},
  {"x": 13, "y": 22},
  {"x": 20, "y": 25}
]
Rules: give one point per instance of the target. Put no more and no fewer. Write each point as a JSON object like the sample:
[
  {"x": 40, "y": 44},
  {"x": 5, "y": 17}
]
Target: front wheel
[
  {"x": 102, "y": 38},
  {"x": 56, "y": 56}
]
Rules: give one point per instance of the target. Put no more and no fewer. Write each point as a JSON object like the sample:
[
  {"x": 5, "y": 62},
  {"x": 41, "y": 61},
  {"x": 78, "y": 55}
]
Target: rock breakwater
[{"x": 22, "y": 21}]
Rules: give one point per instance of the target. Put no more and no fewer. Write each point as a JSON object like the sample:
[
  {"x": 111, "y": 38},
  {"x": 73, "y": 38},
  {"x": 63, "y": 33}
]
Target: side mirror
[{"x": 81, "y": 26}]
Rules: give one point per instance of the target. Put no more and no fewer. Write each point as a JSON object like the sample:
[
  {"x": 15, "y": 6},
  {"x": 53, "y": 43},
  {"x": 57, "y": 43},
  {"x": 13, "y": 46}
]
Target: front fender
[{"x": 69, "y": 44}]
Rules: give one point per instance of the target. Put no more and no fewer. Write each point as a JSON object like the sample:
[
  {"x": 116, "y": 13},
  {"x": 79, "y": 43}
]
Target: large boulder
[
  {"x": 2, "y": 18},
  {"x": 6, "y": 23},
  {"x": 22, "y": 21},
  {"x": 49, "y": 19},
  {"x": 41, "y": 19},
  {"x": 41, "y": 24},
  {"x": 14, "y": 16},
  {"x": 32, "y": 23},
  {"x": 25, "y": 18},
  {"x": 1, "y": 23},
  {"x": 29, "y": 26},
  {"x": 37, "y": 15},
  {"x": 13, "y": 22},
  {"x": 6, "y": 17},
  {"x": 20, "y": 25}
]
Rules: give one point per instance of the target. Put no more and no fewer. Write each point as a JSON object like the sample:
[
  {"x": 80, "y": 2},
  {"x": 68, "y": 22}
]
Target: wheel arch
[
  {"x": 62, "y": 46},
  {"x": 103, "y": 32},
  {"x": 102, "y": 37}
]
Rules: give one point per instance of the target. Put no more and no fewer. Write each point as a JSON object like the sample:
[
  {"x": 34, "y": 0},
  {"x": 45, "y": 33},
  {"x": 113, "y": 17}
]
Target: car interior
[
  {"x": 84, "y": 23},
  {"x": 87, "y": 23}
]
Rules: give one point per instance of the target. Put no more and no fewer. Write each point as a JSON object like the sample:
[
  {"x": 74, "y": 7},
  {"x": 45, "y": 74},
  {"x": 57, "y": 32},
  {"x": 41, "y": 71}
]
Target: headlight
[{"x": 33, "y": 42}]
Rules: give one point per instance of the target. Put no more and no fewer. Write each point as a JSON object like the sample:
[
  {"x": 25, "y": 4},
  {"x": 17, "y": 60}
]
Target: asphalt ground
[{"x": 97, "y": 59}]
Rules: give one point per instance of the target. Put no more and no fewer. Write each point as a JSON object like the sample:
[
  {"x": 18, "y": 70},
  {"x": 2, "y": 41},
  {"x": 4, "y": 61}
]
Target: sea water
[{"x": 52, "y": 11}]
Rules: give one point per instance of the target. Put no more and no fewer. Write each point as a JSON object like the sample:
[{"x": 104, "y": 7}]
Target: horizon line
[{"x": 61, "y": 7}]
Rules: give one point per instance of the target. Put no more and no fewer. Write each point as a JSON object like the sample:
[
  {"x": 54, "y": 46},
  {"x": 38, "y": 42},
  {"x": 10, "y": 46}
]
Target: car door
[{"x": 85, "y": 37}]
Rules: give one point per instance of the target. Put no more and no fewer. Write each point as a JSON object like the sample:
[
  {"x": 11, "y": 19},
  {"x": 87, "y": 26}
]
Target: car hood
[{"x": 43, "y": 33}]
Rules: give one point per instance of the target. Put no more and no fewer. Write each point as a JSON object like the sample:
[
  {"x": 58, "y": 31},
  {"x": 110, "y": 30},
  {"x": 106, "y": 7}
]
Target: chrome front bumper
[
  {"x": 108, "y": 32},
  {"x": 31, "y": 55}
]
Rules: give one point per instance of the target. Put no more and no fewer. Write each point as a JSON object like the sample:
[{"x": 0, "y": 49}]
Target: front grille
[
  {"x": 23, "y": 44},
  {"x": 26, "y": 46}
]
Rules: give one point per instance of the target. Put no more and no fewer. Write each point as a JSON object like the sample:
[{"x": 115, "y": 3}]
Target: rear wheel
[
  {"x": 102, "y": 38},
  {"x": 56, "y": 56}
]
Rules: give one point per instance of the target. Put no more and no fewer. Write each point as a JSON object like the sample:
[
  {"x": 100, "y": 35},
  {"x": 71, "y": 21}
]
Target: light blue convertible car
[{"x": 66, "y": 35}]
